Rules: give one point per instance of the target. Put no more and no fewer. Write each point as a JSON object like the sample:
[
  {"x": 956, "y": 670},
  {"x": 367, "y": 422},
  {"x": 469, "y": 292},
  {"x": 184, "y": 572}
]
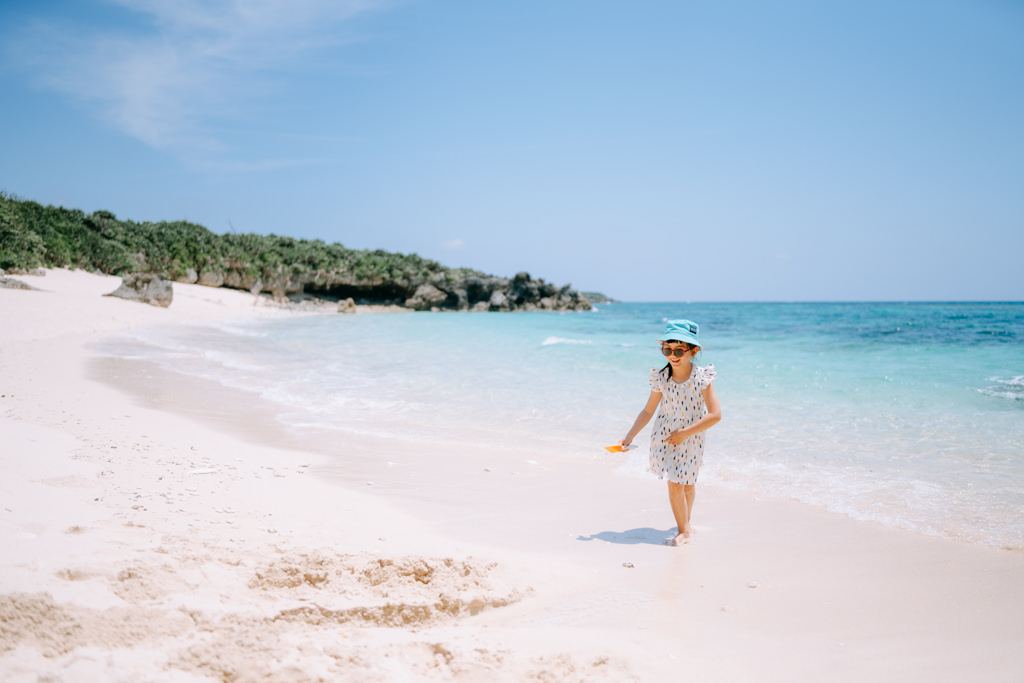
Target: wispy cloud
[
  {"x": 454, "y": 245},
  {"x": 183, "y": 67}
]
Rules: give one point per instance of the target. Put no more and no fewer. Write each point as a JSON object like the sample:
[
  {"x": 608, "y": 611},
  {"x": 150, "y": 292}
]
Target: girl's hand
[
  {"x": 676, "y": 438},
  {"x": 624, "y": 442}
]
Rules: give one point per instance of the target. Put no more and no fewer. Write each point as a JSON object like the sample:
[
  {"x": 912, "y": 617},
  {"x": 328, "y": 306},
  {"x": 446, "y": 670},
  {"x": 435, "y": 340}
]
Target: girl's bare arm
[{"x": 643, "y": 418}]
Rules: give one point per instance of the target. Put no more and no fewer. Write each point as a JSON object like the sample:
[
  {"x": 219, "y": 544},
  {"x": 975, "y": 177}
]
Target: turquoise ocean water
[{"x": 911, "y": 414}]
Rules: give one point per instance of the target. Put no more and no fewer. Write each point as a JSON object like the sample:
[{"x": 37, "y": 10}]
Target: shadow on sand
[{"x": 632, "y": 536}]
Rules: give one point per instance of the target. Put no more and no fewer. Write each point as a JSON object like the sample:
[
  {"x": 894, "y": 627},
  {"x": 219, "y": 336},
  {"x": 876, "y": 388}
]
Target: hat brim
[{"x": 688, "y": 338}]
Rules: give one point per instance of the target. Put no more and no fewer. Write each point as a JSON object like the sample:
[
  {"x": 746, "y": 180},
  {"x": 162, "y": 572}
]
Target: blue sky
[{"x": 655, "y": 150}]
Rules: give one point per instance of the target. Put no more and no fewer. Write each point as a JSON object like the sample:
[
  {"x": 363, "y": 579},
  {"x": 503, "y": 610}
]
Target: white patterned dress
[{"x": 681, "y": 405}]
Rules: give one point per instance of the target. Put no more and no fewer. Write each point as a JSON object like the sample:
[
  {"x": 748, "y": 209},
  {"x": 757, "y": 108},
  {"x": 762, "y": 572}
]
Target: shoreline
[{"x": 834, "y": 598}]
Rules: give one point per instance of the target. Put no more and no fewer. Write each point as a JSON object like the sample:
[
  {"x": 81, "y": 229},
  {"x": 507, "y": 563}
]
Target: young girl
[{"x": 684, "y": 396}]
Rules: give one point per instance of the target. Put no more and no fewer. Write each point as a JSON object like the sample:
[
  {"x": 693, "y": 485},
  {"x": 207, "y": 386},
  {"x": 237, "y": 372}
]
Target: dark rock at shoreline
[
  {"x": 427, "y": 296},
  {"x": 147, "y": 288},
  {"x": 443, "y": 291}
]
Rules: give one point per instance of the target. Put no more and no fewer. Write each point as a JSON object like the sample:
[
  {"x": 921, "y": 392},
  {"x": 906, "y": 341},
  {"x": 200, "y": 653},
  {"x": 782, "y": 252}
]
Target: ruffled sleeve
[
  {"x": 657, "y": 381},
  {"x": 706, "y": 377}
]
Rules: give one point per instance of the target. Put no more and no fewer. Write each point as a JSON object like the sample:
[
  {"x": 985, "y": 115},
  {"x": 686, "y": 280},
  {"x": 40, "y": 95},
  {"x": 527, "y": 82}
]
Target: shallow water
[{"x": 907, "y": 414}]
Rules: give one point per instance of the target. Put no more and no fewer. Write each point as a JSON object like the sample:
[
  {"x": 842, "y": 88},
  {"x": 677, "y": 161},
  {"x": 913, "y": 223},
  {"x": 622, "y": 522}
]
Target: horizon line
[{"x": 829, "y": 301}]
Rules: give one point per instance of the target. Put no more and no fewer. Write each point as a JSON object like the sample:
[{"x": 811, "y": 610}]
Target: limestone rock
[
  {"x": 238, "y": 280},
  {"x": 427, "y": 296},
  {"x": 498, "y": 301},
  {"x": 461, "y": 299},
  {"x": 279, "y": 285},
  {"x": 211, "y": 278},
  {"x": 459, "y": 290},
  {"x": 148, "y": 288},
  {"x": 189, "y": 277},
  {"x": 347, "y": 306},
  {"x": 11, "y": 283}
]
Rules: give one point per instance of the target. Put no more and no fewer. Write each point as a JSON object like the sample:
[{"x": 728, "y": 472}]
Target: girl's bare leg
[
  {"x": 691, "y": 493},
  {"x": 681, "y": 511}
]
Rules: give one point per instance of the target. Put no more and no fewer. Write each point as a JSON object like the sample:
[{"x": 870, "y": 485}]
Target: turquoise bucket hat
[{"x": 681, "y": 330}]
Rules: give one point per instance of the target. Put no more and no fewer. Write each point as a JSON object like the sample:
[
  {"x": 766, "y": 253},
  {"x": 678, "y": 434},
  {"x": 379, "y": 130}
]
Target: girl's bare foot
[{"x": 679, "y": 539}]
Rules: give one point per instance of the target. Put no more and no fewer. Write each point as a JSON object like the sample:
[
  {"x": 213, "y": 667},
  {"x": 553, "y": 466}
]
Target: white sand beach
[{"x": 159, "y": 528}]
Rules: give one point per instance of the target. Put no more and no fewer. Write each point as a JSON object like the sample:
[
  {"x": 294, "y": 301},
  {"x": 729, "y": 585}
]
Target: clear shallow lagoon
[{"x": 907, "y": 414}]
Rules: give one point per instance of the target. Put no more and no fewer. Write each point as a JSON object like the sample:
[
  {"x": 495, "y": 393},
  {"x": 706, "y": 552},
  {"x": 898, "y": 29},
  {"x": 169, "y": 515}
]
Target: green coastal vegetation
[{"x": 33, "y": 236}]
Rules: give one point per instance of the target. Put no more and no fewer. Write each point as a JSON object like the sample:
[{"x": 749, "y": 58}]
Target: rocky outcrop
[
  {"x": 148, "y": 288},
  {"x": 521, "y": 293},
  {"x": 481, "y": 293},
  {"x": 11, "y": 283},
  {"x": 189, "y": 277},
  {"x": 347, "y": 306},
  {"x": 211, "y": 278},
  {"x": 427, "y": 296},
  {"x": 449, "y": 290}
]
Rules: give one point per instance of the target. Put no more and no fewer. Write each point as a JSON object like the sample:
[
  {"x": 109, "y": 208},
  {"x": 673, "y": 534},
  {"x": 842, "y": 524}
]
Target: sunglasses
[{"x": 677, "y": 352}]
